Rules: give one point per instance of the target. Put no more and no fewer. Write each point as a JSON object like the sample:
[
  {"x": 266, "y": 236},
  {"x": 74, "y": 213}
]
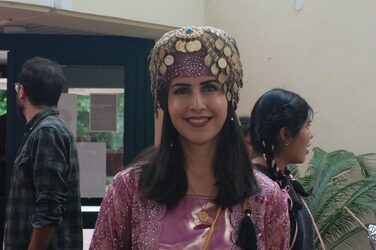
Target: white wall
[
  {"x": 326, "y": 53},
  {"x": 174, "y": 13},
  {"x": 163, "y": 12}
]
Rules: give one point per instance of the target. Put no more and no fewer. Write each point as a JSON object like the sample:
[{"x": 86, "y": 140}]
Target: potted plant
[{"x": 340, "y": 180}]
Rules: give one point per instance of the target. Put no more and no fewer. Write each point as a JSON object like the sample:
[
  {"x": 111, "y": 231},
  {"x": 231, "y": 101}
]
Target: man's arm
[
  {"x": 49, "y": 179},
  {"x": 41, "y": 237}
]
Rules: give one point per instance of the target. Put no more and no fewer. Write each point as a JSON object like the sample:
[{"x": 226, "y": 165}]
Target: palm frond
[
  {"x": 315, "y": 165},
  {"x": 335, "y": 163},
  {"x": 367, "y": 163},
  {"x": 361, "y": 201},
  {"x": 340, "y": 224},
  {"x": 334, "y": 198},
  {"x": 329, "y": 175},
  {"x": 342, "y": 239},
  {"x": 366, "y": 187}
]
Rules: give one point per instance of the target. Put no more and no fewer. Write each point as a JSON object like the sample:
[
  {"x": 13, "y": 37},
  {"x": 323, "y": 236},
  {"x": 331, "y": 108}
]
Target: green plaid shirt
[{"x": 44, "y": 189}]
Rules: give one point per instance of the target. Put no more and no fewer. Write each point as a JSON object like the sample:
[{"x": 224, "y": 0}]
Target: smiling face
[
  {"x": 197, "y": 107},
  {"x": 297, "y": 148}
]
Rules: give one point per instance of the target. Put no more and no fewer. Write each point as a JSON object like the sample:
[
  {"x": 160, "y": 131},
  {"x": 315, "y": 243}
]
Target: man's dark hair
[
  {"x": 43, "y": 81},
  {"x": 244, "y": 125}
]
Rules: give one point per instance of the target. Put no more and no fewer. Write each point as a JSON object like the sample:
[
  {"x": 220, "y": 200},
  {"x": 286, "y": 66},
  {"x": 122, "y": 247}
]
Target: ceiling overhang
[{"x": 46, "y": 20}]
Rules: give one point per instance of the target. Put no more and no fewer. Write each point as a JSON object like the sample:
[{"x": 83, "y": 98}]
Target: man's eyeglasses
[{"x": 17, "y": 86}]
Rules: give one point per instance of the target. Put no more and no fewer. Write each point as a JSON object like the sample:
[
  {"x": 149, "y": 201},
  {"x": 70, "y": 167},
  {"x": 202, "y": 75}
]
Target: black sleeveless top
[{"x": 300, "y": 221}]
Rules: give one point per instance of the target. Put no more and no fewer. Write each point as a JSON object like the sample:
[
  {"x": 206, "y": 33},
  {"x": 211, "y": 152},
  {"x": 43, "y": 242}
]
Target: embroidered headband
[{"x": 196, "y": 51}]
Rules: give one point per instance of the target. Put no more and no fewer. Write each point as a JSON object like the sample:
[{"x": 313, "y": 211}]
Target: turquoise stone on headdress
[{"x": 189, "y": 30}]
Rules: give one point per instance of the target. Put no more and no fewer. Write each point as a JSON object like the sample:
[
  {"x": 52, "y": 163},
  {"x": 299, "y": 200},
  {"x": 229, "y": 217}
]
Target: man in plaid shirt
[{"x": 44, "y": 207}]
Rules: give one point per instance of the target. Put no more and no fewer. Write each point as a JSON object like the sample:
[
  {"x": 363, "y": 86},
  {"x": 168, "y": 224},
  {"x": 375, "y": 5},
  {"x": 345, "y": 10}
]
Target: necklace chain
[{"x": 203, "y": 215}]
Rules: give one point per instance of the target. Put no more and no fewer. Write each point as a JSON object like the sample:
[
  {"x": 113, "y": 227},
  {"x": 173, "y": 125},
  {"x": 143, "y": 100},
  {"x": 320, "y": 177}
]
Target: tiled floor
[{"x": 87, "y": 238}]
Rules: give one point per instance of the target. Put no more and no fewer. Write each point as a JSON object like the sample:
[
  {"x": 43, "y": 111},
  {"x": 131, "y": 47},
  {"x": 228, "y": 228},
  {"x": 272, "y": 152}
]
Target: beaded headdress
[{"x": 194, "y": 51}]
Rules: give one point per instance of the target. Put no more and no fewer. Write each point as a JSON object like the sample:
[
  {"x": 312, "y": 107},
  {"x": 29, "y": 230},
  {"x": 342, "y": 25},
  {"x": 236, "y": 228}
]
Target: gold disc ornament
[
  {"x": 162, "y": 53},
  {"x": 169, "y": 60},
  {"x": 222, "y": 78},
  {"x": 227, "y": 51},
  {"x": 214, "y": 69},
  {"x": 229, "y": 96},
  {"x": 190, "y": 46},
  {"x": 203, "y": 216},
  {"x": 162, "y": 69},
  {"x": 222, "y": 63},
  {"x": 219, "y": 44},
  {"x": 198, "y": 45},
  {"x": 235, "y": 58},
  {"x": 208, "y": 60},
  {"x": 180, "y": 46}
]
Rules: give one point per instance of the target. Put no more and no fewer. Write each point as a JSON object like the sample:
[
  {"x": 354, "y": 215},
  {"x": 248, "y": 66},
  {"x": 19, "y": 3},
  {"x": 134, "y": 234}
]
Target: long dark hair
[
  {"x": 164, "y": 180},
  {"x": 274, "y": 110}
]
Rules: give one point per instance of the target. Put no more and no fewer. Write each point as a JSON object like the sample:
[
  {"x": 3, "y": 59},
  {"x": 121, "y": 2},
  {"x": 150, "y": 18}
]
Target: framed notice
[
  {"x": 92, "y": 160},
  {"x": 103, "y": 110}
]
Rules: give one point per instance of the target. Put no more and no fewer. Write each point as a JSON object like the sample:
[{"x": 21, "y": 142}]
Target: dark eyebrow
[
  {"x": 184, "y": 84},
  {"x": 180, "y": 84},
  {"x": 209, "y": 81}
]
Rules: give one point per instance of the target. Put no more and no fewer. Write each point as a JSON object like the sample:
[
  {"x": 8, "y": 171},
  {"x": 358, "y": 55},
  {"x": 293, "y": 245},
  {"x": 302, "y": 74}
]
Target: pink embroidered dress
[{"x": 127, "y": 222}]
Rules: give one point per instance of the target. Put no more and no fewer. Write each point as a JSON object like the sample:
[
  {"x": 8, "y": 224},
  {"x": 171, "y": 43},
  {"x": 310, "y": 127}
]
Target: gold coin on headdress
[
  {"x": 222, "y": 77},
  {"x": 229, "y": 96},
  {"x": 162, "y": 69},
  {"x": 227, "y": 51},
  {"x": 222, "y": 63},
  {"x": 219, "y": 44},
  {"x": 208, "y": 60},
  {"x": 169, "y": 60},
  {"x": 235, "y": 58},
  {"x": 225, "y": 88},
  {"x": 190, "y": 46},
  {"x": 214, "y": 69},
  {"x": 180, "y": 46},
  {"x": 162, "y": 53},
  {"x": 197, "y": 45}
]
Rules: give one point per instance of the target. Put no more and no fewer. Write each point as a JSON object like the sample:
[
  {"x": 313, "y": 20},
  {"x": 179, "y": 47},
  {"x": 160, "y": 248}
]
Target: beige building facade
[{"x": 323, "y": 50}]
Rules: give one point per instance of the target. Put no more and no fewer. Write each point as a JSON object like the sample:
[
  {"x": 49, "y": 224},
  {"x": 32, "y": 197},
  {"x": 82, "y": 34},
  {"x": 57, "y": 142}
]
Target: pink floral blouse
[{"x": 127, "y": 222}]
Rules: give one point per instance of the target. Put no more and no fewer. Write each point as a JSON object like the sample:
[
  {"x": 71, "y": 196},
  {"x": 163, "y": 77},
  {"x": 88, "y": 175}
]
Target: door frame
[{"x": 132, "y": 53}]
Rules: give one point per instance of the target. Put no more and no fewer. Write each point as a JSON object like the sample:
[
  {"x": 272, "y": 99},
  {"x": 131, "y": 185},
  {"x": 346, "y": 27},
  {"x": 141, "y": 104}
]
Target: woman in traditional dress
[{"x": 197, "y": 190}]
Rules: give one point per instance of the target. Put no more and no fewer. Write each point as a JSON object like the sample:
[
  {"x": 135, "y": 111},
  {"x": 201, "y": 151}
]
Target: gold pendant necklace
[{"x": 203, "y": 216}]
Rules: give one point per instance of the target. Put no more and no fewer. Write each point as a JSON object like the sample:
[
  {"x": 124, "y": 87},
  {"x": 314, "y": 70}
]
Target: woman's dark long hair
[
  {"x": 274, "y": 110},
  {"x": 164, "y": 180}
]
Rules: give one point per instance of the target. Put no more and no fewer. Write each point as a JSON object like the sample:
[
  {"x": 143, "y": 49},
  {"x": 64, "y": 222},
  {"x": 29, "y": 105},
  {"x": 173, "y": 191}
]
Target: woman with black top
[{"x": 280, "y": 135}]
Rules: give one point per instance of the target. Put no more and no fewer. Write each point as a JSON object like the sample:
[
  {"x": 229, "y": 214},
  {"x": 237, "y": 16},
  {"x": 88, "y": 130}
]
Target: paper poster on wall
[
  {"x": 67, "y": 107},
  {"x": 103, "y": 111},
  {"x": 92, "y": 160}
]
